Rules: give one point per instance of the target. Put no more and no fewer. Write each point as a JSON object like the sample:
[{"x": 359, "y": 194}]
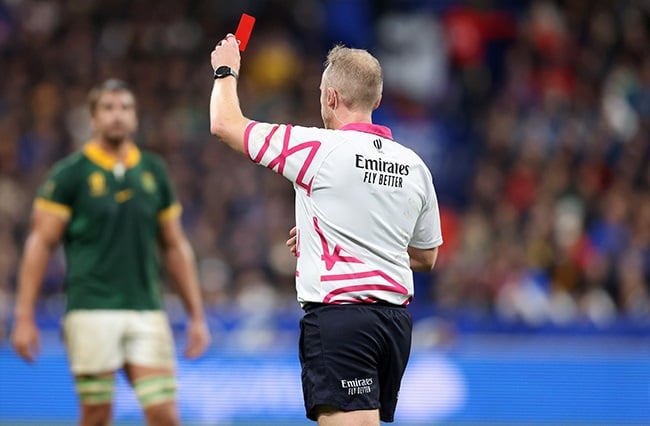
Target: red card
[{"x": 244, "y": 30}]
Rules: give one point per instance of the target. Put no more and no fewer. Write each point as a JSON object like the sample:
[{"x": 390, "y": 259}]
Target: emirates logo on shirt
[
  {"x": 377, "y": 143},
  {"x": 381, "y": 172}
]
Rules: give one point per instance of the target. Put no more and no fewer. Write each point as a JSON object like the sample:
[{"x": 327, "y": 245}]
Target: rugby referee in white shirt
[{"x": 366, "y": 217}]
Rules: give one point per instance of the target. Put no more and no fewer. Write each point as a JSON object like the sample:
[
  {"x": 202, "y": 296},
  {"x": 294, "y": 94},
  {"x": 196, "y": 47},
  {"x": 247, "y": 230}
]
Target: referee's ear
[
  {"x": 377, "y": 103},
  {"x": 332, "y": 98}
]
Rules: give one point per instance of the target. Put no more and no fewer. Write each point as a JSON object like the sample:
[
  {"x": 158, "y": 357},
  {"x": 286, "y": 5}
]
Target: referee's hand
[
  {"x": 226, "y": 52},
  {"x": 292, "y": 241},
  {"x": 25, "y": 339}
]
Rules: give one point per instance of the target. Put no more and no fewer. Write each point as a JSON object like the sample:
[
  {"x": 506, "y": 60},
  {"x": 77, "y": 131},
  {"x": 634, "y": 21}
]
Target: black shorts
[{"x": 353, "y": 357}]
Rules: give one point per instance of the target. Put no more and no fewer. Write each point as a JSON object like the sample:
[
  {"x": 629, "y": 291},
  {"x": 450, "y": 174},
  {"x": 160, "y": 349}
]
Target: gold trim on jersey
[
  {"x": 170, "y": 212},
  {"x": 53, "y": 207},
  {"x": 106, "y": 160}
]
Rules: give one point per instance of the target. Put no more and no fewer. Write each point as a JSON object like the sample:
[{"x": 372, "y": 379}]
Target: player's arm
[
  {"x": 46, "y": 232},
  {"x": 227, "y": 121},
  {"x": 422, "y": 260},
  {"x": 179, "y": 259}
]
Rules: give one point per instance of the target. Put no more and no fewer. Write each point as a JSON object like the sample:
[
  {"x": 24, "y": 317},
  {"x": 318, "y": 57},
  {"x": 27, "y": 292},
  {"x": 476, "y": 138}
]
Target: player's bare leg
[
  {"x": 95, "y": 414},
  {"x": 156, "y": 390}
]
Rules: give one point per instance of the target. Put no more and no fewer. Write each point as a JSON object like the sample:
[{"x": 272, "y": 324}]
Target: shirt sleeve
[
  {"x": 56, "y": 195},
  {"x": 427, "y": 233},
  {"x": 294, "y": 152},
  {"x": 169, "y": 206}
]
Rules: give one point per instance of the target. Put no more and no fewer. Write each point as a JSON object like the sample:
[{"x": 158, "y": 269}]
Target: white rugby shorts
[{"x": 101, "y": 341}]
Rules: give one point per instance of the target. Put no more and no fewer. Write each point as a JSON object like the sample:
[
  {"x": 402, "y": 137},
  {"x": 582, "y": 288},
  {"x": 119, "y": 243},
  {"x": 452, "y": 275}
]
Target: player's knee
[
  {"x": 164, "y": 414},
  {"x": 95, "y": 415}
]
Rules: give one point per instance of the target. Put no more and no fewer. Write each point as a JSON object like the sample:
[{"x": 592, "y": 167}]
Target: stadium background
[{"x": 533, "y": 116}]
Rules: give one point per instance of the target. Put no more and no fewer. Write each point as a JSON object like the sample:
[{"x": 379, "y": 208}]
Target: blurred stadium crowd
[{"x": 533, "y": 116}]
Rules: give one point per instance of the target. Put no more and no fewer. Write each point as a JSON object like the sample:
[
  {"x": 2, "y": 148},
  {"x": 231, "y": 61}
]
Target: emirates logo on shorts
[
  {"x": 377, "y": 143},
  {"x": 357, "y": 386}
]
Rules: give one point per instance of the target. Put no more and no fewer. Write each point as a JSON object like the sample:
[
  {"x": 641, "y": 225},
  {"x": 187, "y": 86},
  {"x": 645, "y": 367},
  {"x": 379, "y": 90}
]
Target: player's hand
[
  {"x": 292, "y": 241},
  {"x": 198, "y": 338},
  {"x": 25, "y": 339},
  {"x": 226, "y": 52}
]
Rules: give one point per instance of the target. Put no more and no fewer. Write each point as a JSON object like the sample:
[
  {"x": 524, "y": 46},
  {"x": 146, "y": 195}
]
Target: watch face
[{"x": 224, "y": 71}]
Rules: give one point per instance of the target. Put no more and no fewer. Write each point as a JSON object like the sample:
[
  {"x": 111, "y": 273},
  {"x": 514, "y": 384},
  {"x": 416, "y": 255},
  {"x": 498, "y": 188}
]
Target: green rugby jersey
[{"x": 111, "y": 236}]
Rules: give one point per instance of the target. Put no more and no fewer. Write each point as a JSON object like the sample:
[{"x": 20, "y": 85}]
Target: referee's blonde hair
[{"x": 356, "y": 75}]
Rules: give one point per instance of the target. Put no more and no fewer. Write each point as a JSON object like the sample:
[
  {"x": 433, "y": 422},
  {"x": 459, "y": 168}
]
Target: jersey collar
[
  {"x": 374, "y": 129},
  {"x": 106, "y": 160}
]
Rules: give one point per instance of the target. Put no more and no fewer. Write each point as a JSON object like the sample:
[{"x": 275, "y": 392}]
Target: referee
[{"x": 366, "y": 217}]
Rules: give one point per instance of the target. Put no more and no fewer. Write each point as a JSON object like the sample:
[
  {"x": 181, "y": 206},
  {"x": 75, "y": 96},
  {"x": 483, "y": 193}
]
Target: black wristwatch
[{"x": 224, "y": 71}]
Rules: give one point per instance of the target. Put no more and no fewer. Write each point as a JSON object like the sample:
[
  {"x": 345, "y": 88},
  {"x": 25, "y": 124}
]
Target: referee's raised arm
[{"x": 226, "y": 119}]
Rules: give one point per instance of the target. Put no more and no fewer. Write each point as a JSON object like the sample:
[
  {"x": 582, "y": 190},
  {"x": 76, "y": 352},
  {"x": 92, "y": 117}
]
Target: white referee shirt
[{"x": 361, "y": 199}]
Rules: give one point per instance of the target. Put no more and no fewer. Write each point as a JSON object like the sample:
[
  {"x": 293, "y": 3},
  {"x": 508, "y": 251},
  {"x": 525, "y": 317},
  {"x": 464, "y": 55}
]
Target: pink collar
[{"x": 374, "y": 129}]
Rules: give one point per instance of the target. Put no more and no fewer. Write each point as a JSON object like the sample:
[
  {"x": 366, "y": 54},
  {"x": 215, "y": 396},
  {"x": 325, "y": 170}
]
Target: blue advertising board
[{"x": 495, "y": 380}]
